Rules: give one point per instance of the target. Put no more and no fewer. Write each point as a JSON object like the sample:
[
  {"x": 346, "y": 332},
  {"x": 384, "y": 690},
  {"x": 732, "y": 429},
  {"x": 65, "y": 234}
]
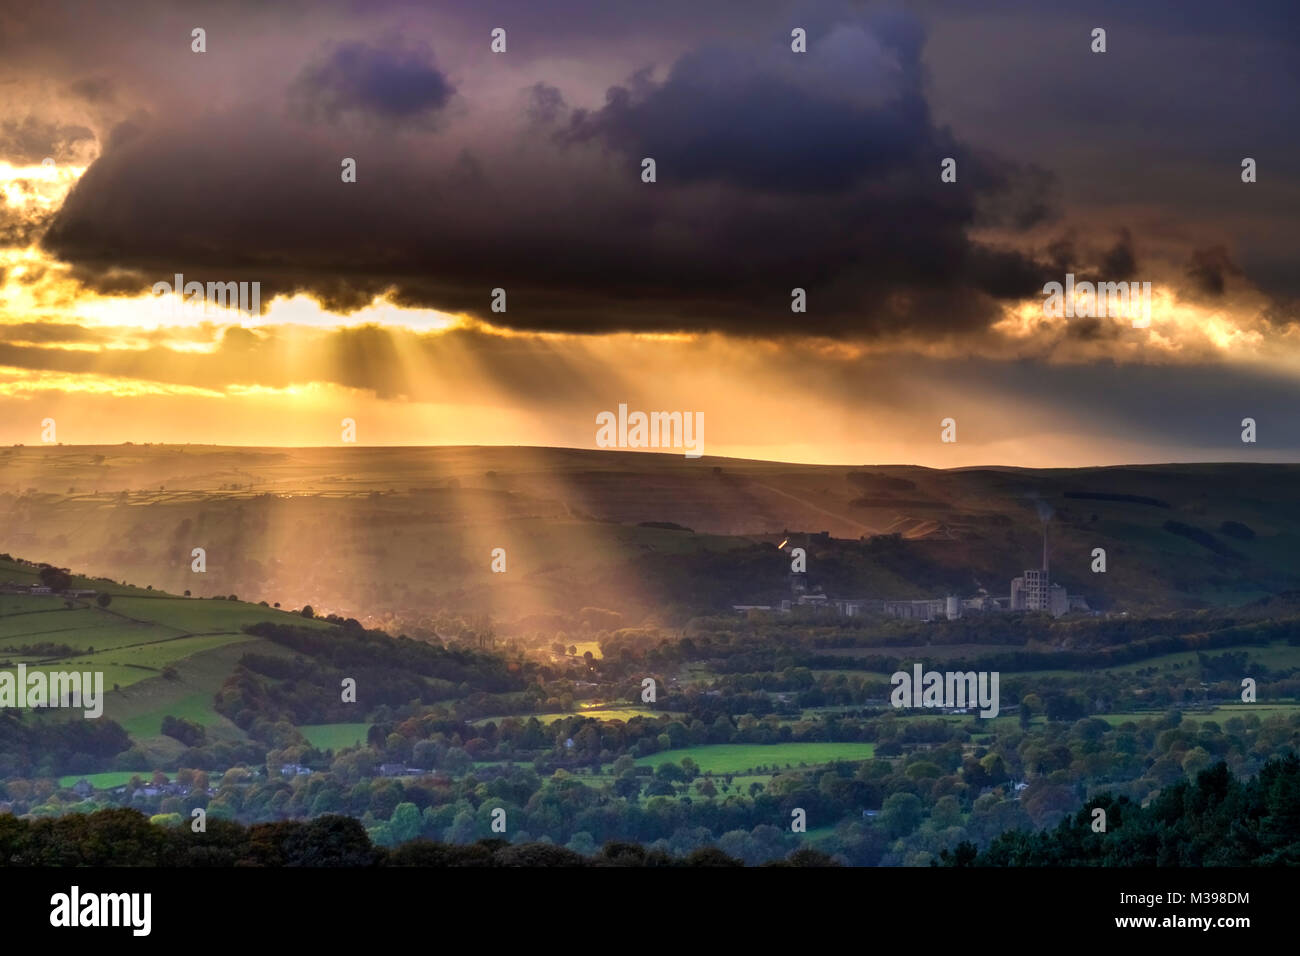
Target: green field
[
  {"x": 334, "y": 736},
  {"x": 132, "y": 642},
  {"x": 1218, "y": 714},
  {"x": 735, "y": 758},
  {"x": 198, "y": 616},
  {"x": 107, "y": 780},
  {"x": 1276, "y": 655},
  {"x": 196, "y": 707}
]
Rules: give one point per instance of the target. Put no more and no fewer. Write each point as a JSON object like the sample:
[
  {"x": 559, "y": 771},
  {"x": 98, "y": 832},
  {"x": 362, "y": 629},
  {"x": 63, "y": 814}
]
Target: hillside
[
  {"x": 389, "y": 534},
  {"x": 218, "y": 664}
]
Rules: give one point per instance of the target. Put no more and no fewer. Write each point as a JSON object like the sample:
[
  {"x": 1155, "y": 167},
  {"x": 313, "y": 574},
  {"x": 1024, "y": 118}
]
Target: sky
[{"x": 128, "y": 157}]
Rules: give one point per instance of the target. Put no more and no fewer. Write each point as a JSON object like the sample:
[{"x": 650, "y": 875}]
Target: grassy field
[
  {"x": 107, "y": 780},
  {"x": 196, "y": 707},
  {"x": 198, "y": 616},
  {"x": 1278, "y": 654},
  {"x": 918, "y": 651},
  {"x": 334, "y": 736},
  {"x": 1218, "y": 714},
  {"x": 132, "y": 642},
  {"x": 603, "y": 712},
  {"x": 735, "y": 758},
  {"x": 819, "y": 833}
]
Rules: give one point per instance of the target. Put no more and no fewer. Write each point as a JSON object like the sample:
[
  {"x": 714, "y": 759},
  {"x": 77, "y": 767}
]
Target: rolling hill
[{"x": 395, "y": 533}]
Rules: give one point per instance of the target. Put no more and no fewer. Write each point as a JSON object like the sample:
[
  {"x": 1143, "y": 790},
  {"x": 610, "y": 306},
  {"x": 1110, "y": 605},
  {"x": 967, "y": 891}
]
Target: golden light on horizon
[{"x": 147, "y": 366}]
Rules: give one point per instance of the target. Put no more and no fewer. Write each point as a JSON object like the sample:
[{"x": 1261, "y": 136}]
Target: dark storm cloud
[
  {"x": 386, "y": 83},
  {"x": 1120, "y": 262},
  {"x": 776, "y": 170},
  {"x": 719, "y": 118},
  {"x": 1154, "y": 129},
  {"x": 545, "y": 103},
  {"x": 93, "y": 89},
  {"x": 1209, "y": 270}
]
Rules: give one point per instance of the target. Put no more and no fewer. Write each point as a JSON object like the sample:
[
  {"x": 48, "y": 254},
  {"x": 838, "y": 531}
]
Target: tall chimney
[{"x": 1044, "y": 547}]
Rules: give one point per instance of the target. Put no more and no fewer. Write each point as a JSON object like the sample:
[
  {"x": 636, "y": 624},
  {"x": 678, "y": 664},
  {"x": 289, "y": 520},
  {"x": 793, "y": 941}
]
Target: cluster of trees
[
  {"x": 189, "y": 732},
  {"x": 768, "y": 666},
  {"x": 1218, "y": 820},
  {"x": 30, "y": 746},
  {"x": 122, "y": 837},
  {"x": 774, "y": 644},
  {"x": 265, "y": 690},
  {"x": 931, "y": 787}
]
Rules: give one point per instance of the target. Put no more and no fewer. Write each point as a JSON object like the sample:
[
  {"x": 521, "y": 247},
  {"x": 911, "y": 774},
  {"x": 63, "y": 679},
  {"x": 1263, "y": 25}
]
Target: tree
[
  {"x": 946, "y": 813},
  {"x": 582, "y": 842},
  {"x": 669, "y": 771},
  {"x": 307, "y": 611},
  {"x": 627, "y": 786},
  {"x": 405, "y": 823},
  {"x": 189, "y": 732},
  {"x": 624, "y": 764},
  {"x": 463, "y": 829},
  {"x": 330, "y": 841},
  {"x": 1197, "y": 759},
  {"x": 901, "y": 813},
  {"x": 56, "y": 579},
  {"x": 457, "y": 760}
]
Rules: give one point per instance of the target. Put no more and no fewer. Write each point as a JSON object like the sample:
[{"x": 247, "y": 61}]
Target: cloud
[
  {"x": 30, "y": 140},
  {"x": 776, "y": 170},
  {"x": 545, "y": 103},
  {"x": 385, "y": 83},
  {"x": 774, "y": 173},
  {"x": 1209, "y": 270},
  {"x": 94, "y": 89}
]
